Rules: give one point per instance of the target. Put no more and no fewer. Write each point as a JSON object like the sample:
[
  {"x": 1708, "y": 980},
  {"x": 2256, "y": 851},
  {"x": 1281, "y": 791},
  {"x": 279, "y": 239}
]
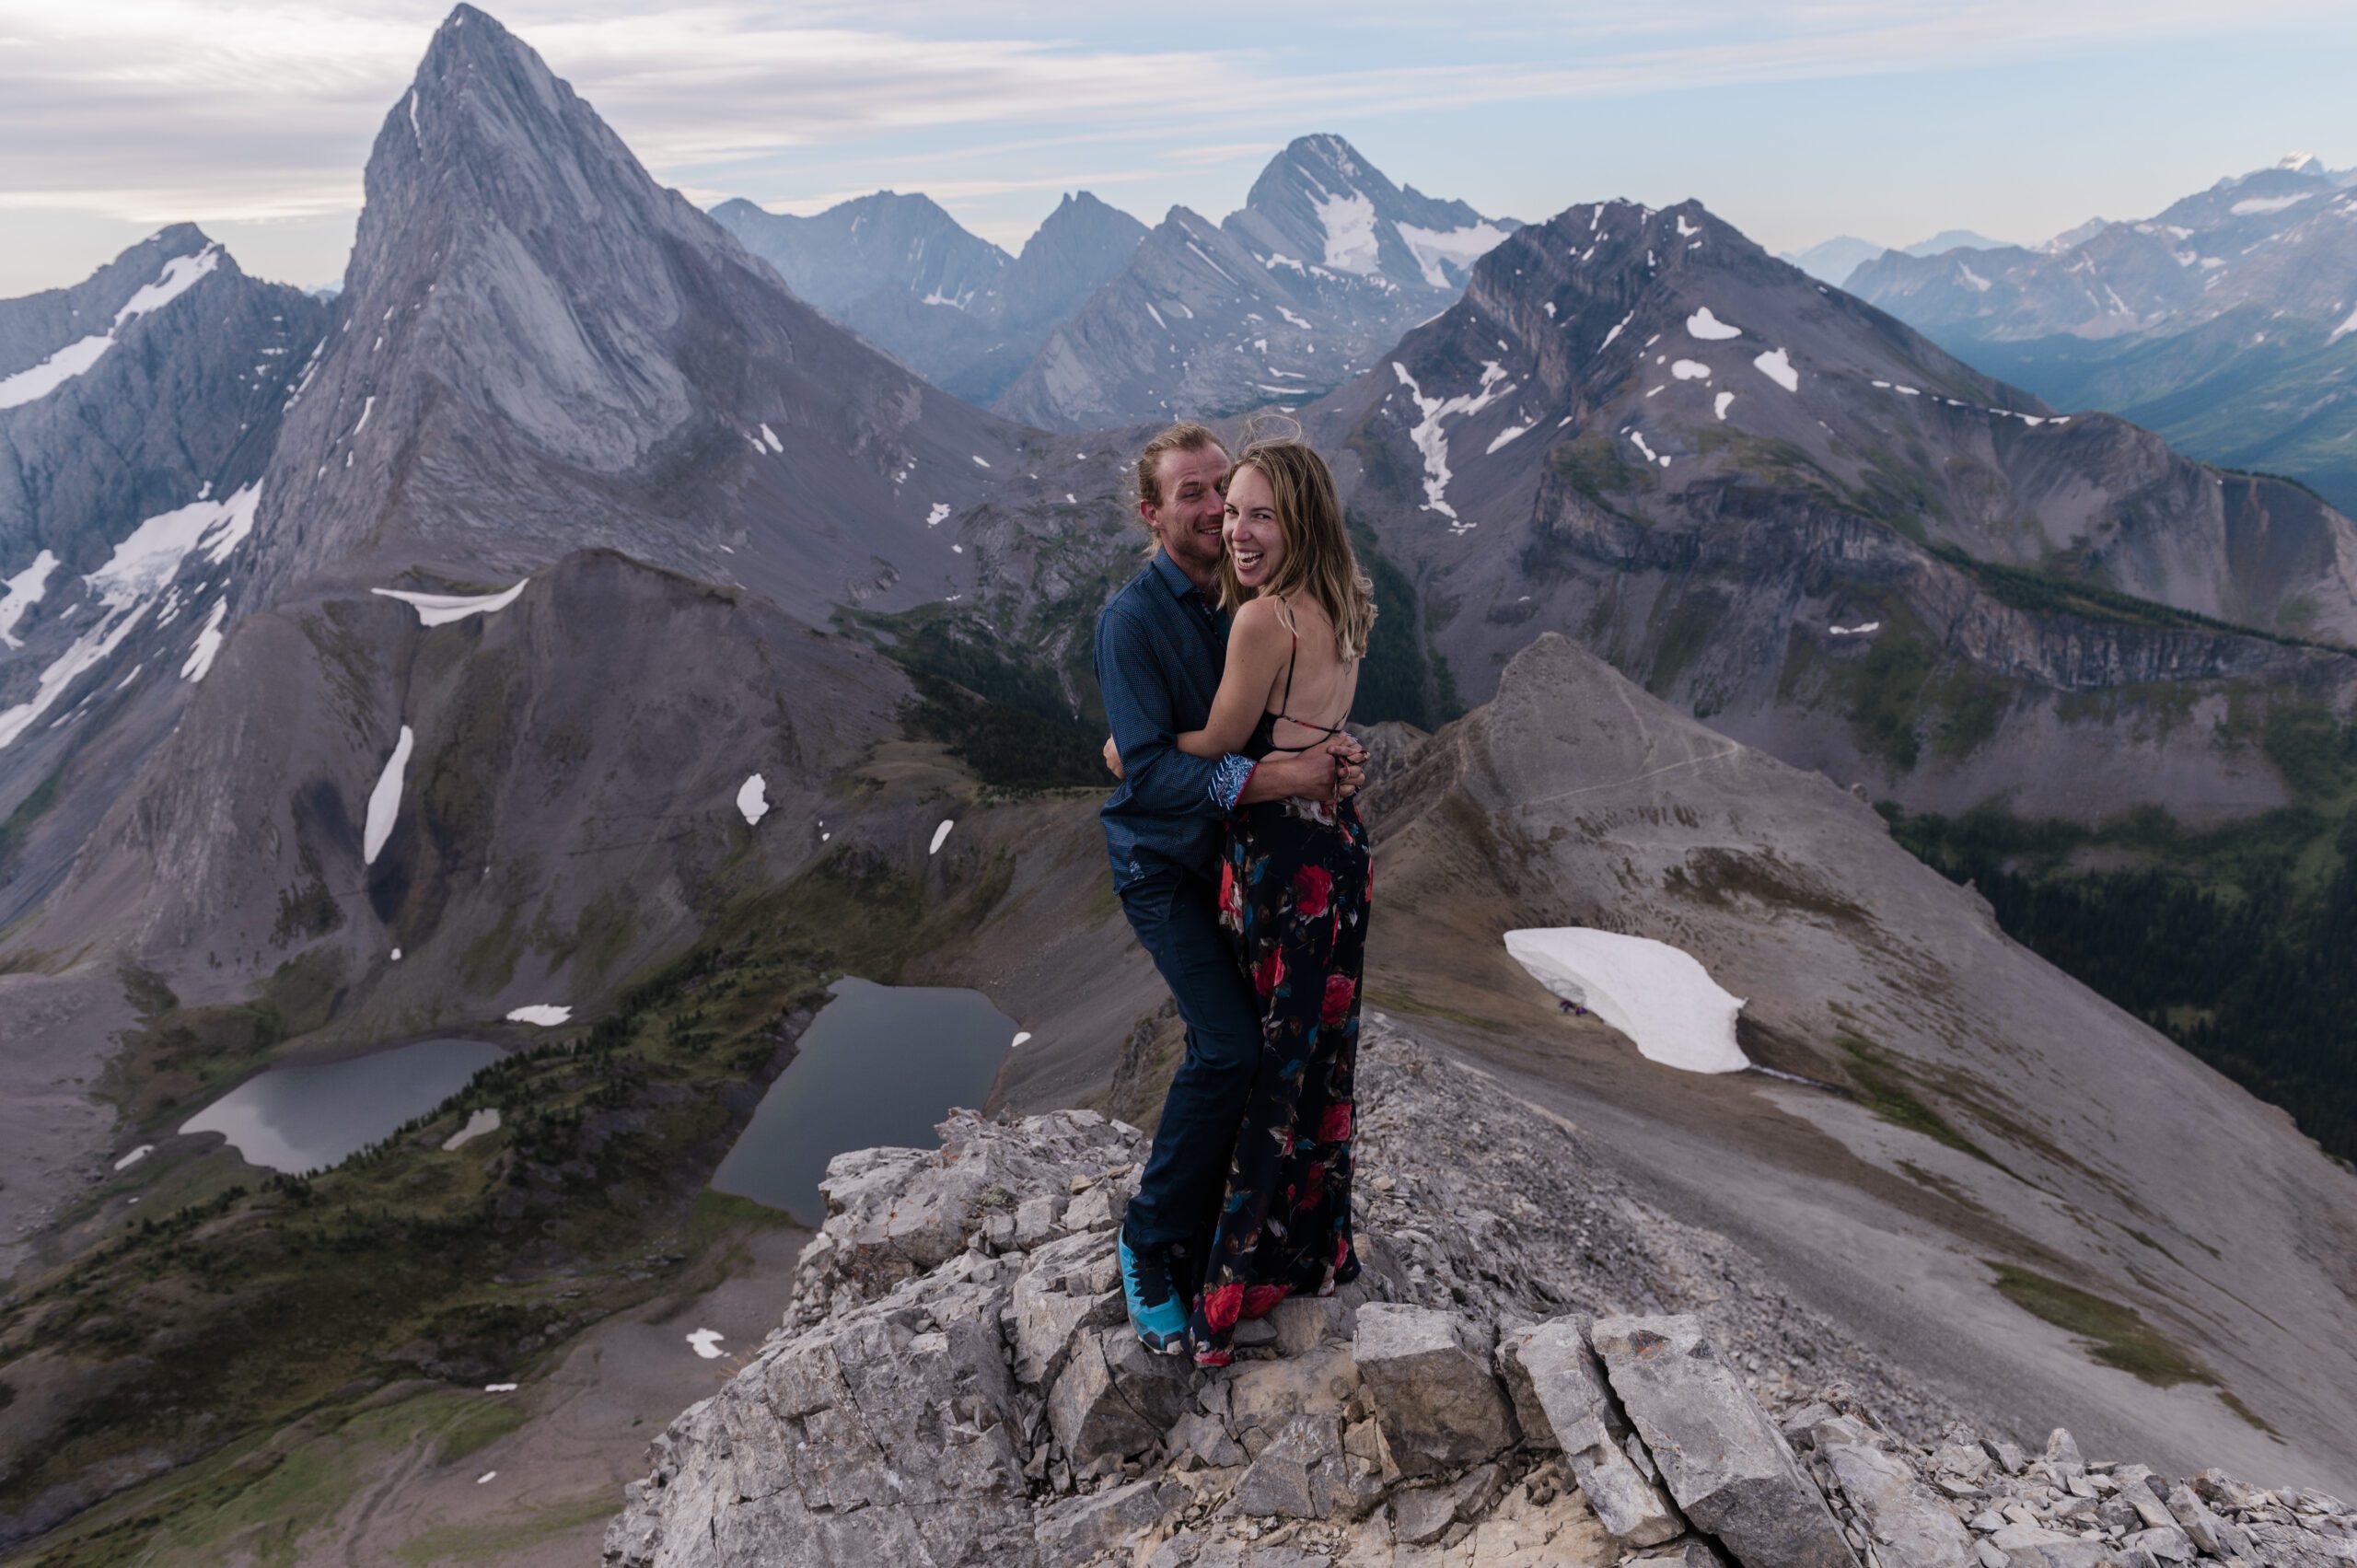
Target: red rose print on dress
[
  {"x": 1313, "y": 888},
  {"x": 1231, "y": 897},
  {"x": 1271, "y": 974},
  {"x": 1340, "y": 990},
  {"x": 1336, "y": 1124},
  {"x": 1221, "y": 1306},
  {"x": 1260, "y": 1300}
]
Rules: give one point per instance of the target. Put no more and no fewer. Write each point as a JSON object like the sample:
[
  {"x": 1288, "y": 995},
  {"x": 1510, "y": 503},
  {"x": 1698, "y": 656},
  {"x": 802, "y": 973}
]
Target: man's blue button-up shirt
[{"x": 1160, "y": 648}]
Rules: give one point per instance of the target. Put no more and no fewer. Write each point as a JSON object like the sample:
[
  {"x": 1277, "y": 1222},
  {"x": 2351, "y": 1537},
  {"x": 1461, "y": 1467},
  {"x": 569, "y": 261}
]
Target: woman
[{"x": 1294, "y": 889}]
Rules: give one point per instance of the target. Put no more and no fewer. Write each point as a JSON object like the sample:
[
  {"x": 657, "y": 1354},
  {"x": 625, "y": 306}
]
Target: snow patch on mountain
[
  {"x": 1777, "y": 366},
  {"x": 1510, "y": 433},
  {"x": 441, "y": 609},
  {"x": 21, "y": 592},
  {"x": 752, "y": 799},
  {"x": 1709, "y": 328},
  {"x": 137, "y": 575},
  {"x": 1349, "y": 222},
  {"x": 385, "y": 799},
  {"x": 39, "y": 381},
  {"x": 1656, "y": 995},
  {"x": 1691, "y": 371},
  {"x": 1464, "y": 246},
  {"x": 2251, "y": 206},
  {"x": 198, "y": 663},
  {"x": 26, "y": 386},
  {"x": 1432, "y": 440},
  {"x": 548, "y": 1014}
]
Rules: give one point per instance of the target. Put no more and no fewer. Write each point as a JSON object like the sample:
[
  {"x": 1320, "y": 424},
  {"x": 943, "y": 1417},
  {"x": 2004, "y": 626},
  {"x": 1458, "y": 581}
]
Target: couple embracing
[{"x": 1228, "y": 666}]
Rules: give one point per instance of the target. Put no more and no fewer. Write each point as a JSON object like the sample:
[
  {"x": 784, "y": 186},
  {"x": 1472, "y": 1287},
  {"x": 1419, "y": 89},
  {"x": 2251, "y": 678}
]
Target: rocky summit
[{"x": 1536, "y": 1367}]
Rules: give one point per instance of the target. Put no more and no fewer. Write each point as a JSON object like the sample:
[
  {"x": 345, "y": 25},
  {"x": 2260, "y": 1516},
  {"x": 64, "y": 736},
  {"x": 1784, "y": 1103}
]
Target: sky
[{"x": 1886, "y": 119}]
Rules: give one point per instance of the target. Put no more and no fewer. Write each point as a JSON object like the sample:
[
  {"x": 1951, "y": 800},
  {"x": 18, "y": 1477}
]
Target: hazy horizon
[{"x": 1889, "y": 120}]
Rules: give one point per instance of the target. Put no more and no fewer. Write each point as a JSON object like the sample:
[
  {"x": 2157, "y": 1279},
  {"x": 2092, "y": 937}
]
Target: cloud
[{"x": 149, "y": 109}]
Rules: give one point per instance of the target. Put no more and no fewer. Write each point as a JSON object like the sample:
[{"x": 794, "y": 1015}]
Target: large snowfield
[{"x": 1656, "y": 995}]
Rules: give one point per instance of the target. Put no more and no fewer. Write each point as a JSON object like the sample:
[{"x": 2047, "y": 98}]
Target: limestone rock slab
[
  {"x": 1909, "y": 1526},
  {"x": 1721, "y": 1459},
  {"x": 1437, "y": 1405},
  {"x": 1563, "y": 1402}
]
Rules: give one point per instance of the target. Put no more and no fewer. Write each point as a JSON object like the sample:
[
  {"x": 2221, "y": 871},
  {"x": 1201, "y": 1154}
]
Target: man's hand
[
  {"x": 1350, "y": 766},
  {"x": 1112, "y": 758},
  {"x": 1312, "y": 775}
]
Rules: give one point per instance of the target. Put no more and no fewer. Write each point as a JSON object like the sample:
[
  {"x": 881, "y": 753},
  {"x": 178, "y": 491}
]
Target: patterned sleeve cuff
[{"x": 1229, "y": 776}]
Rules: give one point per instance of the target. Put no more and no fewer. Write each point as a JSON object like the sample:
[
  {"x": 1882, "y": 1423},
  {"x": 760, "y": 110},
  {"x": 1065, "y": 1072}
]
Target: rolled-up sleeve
[{"x": 1158, "y": 777}]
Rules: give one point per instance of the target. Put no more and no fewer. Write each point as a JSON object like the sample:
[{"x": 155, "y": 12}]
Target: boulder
[
  {"x": 1721, "y": 1459},
  {"x": 893, "y": 1214},
  {"x": 1077, "y": 1528},
  {"x": 1115, "y": 1398},
  {"x": 1070, "y": 1284},
  {"x": 890, "y": 1430},
  {"x": 1690, "y": 1552},
  {"x": 1422, "y": 1514},
  {"x": 1437, "y": 1405},
  {"x": 1304, "y": 1474},
  {"x": 1260, "y": 1397},
  {"x": 1908, "y": 1525},
  {"x": 1304, "y": 1322},
  {"x": 1562, "y": 1401}
]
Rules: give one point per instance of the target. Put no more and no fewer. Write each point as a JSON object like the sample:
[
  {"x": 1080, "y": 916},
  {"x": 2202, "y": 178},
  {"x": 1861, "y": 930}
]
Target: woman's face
[{"x": 1249, "y": 527}]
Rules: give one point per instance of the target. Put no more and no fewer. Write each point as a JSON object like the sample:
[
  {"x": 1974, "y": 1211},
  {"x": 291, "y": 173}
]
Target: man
[{"x": 1161, "y": 642}]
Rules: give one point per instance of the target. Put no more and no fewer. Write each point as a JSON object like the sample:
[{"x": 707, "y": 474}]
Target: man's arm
[{"x": 1137, "y": 705}]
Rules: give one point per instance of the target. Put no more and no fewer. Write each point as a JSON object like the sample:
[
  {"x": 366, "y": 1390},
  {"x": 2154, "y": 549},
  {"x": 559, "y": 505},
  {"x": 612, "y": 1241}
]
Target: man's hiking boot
[{"x": 1155, "y": 1311}]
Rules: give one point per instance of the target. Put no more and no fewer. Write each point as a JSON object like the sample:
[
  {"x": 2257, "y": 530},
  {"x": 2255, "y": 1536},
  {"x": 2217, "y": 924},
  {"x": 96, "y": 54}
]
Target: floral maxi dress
[{"x": 1294, "y": 889}]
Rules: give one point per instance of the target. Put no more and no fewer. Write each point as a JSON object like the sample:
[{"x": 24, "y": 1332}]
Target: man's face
[{"x": 1188, "y": 520}]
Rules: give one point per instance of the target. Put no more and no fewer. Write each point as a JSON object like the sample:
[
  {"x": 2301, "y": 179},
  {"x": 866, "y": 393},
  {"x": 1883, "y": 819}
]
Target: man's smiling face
[{"x": 1188, "y": 520}]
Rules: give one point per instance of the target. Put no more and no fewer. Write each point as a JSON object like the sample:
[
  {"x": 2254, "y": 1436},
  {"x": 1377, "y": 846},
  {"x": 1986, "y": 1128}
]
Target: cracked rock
[
  {"x": 1724, "y": 1461},
  {"x": 1437, "y": 1406},
  {"x": 1563, "y": 1401}
]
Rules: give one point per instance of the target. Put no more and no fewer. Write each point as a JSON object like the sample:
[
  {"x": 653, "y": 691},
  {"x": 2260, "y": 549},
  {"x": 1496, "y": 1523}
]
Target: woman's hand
[{"x": 1112, "y": 758}]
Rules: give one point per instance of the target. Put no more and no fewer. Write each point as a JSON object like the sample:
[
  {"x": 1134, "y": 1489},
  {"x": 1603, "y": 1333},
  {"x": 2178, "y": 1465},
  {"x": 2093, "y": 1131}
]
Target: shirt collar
[{"x": 1176, "y": 581}]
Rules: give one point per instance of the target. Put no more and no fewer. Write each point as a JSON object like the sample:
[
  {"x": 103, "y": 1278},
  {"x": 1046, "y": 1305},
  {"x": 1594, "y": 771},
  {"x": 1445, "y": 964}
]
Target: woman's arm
[{"x": 1257, "y": 646}]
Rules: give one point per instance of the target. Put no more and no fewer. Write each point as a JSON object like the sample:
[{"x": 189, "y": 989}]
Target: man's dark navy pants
[{"x": 1176, "y": 916}]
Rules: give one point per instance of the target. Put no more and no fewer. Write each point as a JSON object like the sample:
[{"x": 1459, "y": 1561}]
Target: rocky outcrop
[{"x": 954, "y": 1384}]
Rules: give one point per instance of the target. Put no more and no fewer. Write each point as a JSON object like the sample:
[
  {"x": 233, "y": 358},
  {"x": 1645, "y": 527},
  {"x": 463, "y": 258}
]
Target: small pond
[
  {"x": 879, "y": 1065},
  {"x": 306, "y": 1119}
]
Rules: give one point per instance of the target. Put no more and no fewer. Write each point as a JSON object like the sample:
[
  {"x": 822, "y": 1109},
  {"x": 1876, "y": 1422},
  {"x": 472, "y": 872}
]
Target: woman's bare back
[{"x": 1310, "y": 698}]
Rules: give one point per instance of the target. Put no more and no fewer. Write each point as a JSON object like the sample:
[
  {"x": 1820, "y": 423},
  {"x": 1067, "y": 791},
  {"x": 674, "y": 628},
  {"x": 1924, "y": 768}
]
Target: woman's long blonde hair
[{"x": 1318, "y": 560}]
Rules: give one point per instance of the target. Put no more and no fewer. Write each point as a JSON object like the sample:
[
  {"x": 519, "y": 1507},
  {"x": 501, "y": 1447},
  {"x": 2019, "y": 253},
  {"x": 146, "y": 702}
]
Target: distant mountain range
[
  {"x": 959, "y": 310},
  {"x": 1832, "y": 261},
  {"x": 2225, "y": 321},
  {"x": 1102, "y": 320}
]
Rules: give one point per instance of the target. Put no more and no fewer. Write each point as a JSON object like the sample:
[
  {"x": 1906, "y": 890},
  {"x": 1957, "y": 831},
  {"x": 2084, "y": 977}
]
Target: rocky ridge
[{"x": 1558, "y": 1374}]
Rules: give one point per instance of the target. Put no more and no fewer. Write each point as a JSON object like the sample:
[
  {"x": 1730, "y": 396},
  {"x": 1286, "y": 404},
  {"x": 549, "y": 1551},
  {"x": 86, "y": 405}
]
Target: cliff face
[{"x": 1536, "y": 1367}]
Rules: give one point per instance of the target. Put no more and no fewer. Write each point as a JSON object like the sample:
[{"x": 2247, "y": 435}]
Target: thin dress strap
[
  {"x": 1268, "y": 726},
  {"x": 1285, "y": 613}
]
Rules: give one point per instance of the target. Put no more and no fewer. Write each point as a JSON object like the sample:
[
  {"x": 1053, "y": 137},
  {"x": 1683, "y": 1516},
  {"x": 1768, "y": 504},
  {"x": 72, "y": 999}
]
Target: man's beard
[{"x": 1191, "y": 551}]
